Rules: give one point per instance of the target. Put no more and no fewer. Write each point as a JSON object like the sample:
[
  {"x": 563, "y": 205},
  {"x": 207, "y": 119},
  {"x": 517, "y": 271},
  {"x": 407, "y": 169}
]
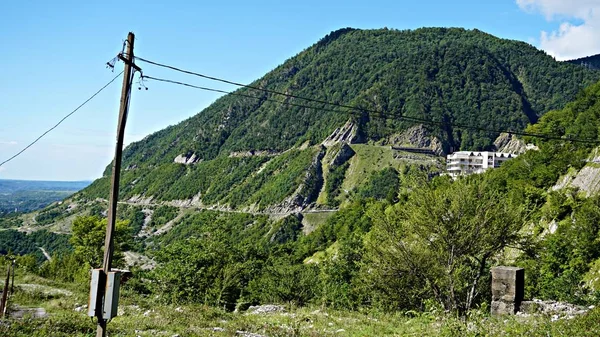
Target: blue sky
[{"x": 54, "y": 53}]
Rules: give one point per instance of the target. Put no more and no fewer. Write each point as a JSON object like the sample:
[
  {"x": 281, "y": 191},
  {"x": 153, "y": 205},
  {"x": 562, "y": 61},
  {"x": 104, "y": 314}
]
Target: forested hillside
[
  {"x": 449, "y": 76},
  {"x": 590, "y": 62}
]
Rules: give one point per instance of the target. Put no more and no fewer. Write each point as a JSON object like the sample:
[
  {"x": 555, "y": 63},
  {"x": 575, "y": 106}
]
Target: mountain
[
  {"x": 590, "y": 62},
  {"x": 255, "y": 154}
]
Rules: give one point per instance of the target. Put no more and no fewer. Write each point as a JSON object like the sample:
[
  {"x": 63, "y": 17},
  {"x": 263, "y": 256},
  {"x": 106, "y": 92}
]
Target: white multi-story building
[{"x": 469, "y": 162}]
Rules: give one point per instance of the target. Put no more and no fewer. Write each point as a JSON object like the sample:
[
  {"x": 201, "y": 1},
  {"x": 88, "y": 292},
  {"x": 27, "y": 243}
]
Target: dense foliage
[
  {"x": 383, "y": 184},
  {"x": 238, "y": 181},
  {"x": 20, "y": 243},
  {"x": 333, "y": 186},
  {"x": 445, "y": 75},
  {"x": 88, "y": 240}
]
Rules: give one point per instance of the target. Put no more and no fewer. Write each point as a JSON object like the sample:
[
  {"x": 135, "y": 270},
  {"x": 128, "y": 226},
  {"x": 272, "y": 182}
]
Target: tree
[
  {"x": 444, "y": 236},
  {"x": 88, "y": 240}
]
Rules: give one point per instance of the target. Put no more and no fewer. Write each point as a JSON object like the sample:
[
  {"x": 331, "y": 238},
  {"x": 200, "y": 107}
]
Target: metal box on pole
[
  {"x": 95, "y": 299},
  {"x": 111, "y": 295}
]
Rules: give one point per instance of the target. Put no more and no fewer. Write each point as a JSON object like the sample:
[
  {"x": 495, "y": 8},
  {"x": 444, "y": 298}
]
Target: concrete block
[
  {"x": 503, "y": 308},
  {"x": 508, "y": 284}
]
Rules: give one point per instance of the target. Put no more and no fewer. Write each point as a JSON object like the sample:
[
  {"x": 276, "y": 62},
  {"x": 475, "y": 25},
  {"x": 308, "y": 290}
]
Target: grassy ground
[
  {"x": 370, "y": 158},
  {"x": 145, "y": 316}
]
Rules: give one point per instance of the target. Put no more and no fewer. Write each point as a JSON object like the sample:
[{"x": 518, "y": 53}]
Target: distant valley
[{"x": 28, "y": 195}]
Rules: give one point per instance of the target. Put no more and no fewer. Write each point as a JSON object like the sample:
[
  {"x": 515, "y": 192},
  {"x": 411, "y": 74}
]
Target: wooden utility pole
[
  {"x": 3, "y": 302},
  {"x": 116, "y": 173},
  {"x": 12, "y": 283}
]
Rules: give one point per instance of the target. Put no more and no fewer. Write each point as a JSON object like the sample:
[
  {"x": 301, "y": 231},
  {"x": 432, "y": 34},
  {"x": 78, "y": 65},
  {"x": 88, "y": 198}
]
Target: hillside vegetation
[{"x": 445, "y": 75}]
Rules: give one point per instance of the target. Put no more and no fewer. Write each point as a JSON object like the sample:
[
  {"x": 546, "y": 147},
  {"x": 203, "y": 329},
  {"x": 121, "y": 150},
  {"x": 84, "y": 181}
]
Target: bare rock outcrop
[
  {"x": 345, "y": 134},
  {"x": 586, "y": 180},
  {"x": 557, "y": 310},
  {"x": 265, "y": 309},
  {"x": 342, "y": 155},
  {"x": 508, "y": 143},
  {"x": 418, "y": 137},
  {"x": 254, "y": 153},
  {"x": 186, "y": 160}
]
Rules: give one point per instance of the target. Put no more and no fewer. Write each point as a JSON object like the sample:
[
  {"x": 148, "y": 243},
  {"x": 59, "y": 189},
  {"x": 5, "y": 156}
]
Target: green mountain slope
[
  {"x": 445, "y": 75},
  {"x": 590, "y": 62}
]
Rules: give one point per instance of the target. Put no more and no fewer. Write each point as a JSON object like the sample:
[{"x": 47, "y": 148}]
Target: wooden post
[
  {"x": 12, "y": 283},
  {"x": 5, "y": 294},
  {"x": 116, "y": 173}
]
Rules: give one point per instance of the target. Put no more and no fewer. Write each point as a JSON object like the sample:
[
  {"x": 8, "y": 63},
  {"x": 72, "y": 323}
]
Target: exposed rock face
[
  {"x": 563, "y": 182},
  {"x": 419, "y": 137},
  {"x": 252, "y": 153},
  {"x": 587, "y": 180},
  {"x": 342, "y": 155},
  {"x": 139, "y": 199},
  {"x": 345, "y": 134},
  {"x": 139, "y": 260},
  {"x": 511, "y": 144},
  {"x": 182, "y": 159},
  {"x": 147, "y": 219}
]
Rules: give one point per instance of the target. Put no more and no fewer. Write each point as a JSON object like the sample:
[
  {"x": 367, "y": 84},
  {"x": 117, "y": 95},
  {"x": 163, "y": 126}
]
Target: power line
[
  {"x": 413, "y": 119},
  {"x": 62, "y": 120},
  {"x": 238, "y": 94},
  {"x": 235, "y": 93},
  {"x": 376, "y": 112}
]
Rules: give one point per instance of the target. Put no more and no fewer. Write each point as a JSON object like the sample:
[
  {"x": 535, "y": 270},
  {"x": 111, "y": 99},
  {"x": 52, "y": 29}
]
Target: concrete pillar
[{"x": 508, "y": 287}]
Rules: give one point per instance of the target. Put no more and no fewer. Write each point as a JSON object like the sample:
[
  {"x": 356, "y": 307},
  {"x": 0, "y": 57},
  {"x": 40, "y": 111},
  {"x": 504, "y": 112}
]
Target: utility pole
[
  {"x": 4, "y": 299},
  {"x": 12, "y": 284},
  {"x": 116, "y": 173}
]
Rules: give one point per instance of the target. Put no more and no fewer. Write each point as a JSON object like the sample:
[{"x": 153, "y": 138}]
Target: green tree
[
  {"x": 445, "y": 236},
  {"x": 88, "y": 240}
]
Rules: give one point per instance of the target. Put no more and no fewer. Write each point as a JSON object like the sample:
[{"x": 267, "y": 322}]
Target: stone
[
  {"x": 266, "y": 309},
  {"x": 530, "y": 307}
]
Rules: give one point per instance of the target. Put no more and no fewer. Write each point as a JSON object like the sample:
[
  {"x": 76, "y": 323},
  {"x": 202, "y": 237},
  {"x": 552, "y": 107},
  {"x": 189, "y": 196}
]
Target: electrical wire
[
  {"x": 377, "y": 113},
  {"x": 238, "y": 94},
  {"x": 62, "y": 120},
  {"x": 395, "y": 116}
]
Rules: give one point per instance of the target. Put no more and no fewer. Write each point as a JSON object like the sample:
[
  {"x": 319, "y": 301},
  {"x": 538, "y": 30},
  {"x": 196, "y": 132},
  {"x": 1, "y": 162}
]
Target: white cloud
[
  {"x": 579, "y": 32},
  {"x": 8, "y": 142}
]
